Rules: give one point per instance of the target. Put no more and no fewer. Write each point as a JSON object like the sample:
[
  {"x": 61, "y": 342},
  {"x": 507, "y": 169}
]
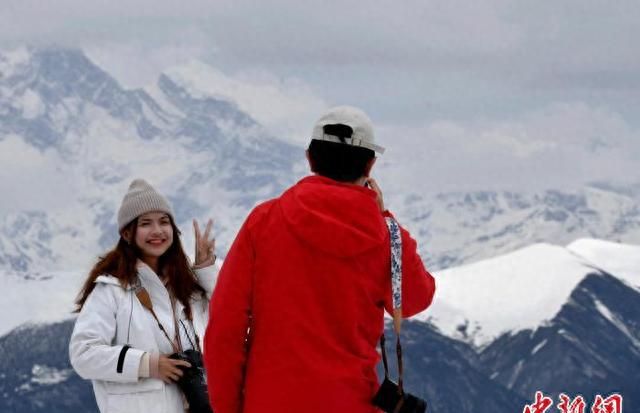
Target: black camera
[
  {"x": 192, "y": 382},
  {"x": 391, "y": 399}
]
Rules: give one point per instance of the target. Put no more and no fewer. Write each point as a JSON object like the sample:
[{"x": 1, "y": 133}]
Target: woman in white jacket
[{"x": 121, "y": 343}]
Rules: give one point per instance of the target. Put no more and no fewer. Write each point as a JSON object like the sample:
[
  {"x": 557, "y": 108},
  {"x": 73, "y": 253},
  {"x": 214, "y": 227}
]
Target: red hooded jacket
[{"x": 297, "y": 311}]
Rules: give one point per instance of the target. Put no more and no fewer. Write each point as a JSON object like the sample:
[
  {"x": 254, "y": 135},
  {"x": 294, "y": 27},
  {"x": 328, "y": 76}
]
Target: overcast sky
[{"x": 483, "y": 89}]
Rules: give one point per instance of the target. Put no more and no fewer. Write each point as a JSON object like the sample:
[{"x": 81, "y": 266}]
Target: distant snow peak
[
  {"x": 518, "y": 291},
  {"x": 285, "y": 107}
]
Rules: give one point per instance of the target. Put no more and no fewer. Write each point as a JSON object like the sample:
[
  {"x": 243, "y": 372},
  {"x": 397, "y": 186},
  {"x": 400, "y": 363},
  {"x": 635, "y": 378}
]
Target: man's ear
[
  {"x": 311, "y": 166},
  {"x": 369, "y": 166}
]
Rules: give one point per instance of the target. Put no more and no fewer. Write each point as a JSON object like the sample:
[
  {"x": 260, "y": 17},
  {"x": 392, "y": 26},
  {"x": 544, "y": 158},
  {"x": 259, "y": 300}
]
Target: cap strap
[{"x": 353, "y": 141}]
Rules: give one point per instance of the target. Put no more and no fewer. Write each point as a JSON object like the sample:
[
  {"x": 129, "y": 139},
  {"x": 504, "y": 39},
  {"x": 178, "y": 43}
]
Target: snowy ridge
[
  {"x": 287, "y": 111},
  {"x": 47, "y": 299},
  {"x": 460, "y": 228},
  {"x": 590, "y": 344},
  {"x": 621, "y": 260},
  {"x": 517, "y": 291}
]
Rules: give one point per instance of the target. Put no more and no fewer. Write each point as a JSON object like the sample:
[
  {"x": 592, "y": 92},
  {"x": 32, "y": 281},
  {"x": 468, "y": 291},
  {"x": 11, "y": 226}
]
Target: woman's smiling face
[{"x": 154, "y": 234}]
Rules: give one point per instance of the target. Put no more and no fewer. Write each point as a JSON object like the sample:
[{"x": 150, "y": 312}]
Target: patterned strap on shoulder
[
  {"x": 396, "y": 294},
  {"x": 396, "y": 262}
]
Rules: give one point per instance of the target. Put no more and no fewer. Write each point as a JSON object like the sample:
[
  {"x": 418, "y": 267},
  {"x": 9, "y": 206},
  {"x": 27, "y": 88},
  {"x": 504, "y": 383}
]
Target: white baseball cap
[{"x": 356, "y": 119}]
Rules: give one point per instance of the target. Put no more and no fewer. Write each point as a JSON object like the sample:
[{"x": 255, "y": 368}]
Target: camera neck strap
[
  {"x": 145, "y": 300},
  {"x": 396, "y": 297}
]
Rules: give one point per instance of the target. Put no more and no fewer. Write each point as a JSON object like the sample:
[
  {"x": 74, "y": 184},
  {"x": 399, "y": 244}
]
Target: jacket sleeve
[
  {"x": 207, "y": 277},
  {"x": 418, "y": 285},
  {"x": 90, "y": 350},
  {"x": 225, "y": 339}
]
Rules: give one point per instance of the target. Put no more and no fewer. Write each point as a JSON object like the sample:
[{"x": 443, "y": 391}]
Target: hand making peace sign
[{"x": 205, "y": 247}]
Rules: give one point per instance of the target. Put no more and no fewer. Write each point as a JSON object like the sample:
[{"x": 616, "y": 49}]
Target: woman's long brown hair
[{"x": 121, "y": 261}]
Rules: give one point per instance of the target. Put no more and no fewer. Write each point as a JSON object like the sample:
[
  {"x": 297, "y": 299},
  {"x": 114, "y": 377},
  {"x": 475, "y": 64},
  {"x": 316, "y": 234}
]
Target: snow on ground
[{"x": 519, "y": 290}]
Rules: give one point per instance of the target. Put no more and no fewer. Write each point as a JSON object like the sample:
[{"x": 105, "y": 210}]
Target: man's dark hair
[{"x": 339, "y": 161}]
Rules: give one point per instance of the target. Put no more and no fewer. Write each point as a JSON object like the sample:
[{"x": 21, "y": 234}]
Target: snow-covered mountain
[
  {"x": 511, "y": 299},
  {"x": 460, "y": 228},
  {"x": 86, "y": 136},
  {"x": 522, "y": 290},
  {"x": 35, "y": 373},
  {"x": 72, "y": 138},
  {"x": 592, "y": 346}
]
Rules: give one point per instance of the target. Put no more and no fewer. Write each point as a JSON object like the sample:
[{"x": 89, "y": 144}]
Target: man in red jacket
[{"x": 298, "y": 308}]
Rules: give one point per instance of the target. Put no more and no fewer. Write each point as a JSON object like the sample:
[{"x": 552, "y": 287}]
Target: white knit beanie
[{"x": 140, "y": 199}]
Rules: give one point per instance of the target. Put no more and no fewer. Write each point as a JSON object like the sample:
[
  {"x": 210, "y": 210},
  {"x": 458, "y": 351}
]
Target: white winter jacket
[{"x": 113, "y": 317}]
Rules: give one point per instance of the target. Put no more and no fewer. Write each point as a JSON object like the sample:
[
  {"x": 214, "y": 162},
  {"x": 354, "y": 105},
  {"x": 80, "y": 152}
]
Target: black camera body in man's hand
[{"x": 192, "y": 383}]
